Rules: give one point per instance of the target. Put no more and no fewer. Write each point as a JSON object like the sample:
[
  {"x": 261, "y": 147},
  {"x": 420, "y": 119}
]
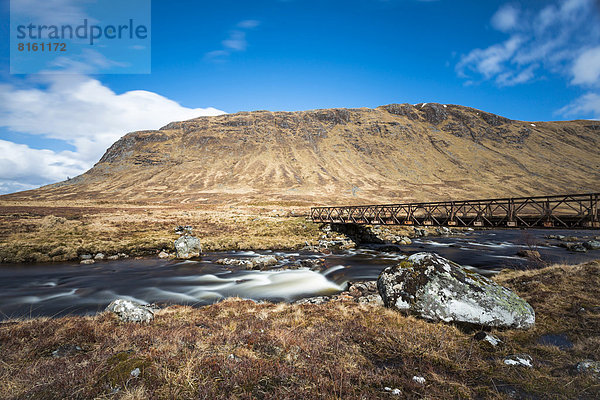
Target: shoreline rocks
[
  {"x": 256, "y": 263},
  {"x": 434, "y": 288},
  {"x": 362, "y": 292}
]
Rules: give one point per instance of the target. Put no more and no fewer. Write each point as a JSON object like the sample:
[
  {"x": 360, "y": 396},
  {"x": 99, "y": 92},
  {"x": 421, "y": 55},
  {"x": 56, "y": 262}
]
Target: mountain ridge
[{"x": 395, "y": 152}]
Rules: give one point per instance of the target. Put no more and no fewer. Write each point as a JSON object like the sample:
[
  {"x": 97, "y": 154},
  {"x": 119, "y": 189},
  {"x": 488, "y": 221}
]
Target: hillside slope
[{"x": 390, "y": 153}]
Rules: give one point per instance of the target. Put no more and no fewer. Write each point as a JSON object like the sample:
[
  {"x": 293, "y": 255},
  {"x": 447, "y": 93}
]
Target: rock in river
[
  {"x": 260, "y": 262},
  {"x": 592, "y": 245},
  {"x": 129, "y": 311},
  {"x": 437, "y": 289},
  {"x": 187, "y": 246}
]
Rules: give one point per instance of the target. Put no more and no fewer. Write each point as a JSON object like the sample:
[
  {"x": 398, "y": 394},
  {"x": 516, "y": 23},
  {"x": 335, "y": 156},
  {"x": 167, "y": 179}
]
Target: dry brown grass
[
  {"x": 44, "y": 232},
  {"x": 243, "y": 350}
]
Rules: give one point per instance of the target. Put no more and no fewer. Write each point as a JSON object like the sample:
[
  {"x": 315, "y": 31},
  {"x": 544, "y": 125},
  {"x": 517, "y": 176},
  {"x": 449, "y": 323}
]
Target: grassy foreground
[{"x": 239, "y": 349}]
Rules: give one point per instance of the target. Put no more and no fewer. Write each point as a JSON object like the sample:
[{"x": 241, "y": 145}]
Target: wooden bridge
[{"x": 564, "y": 211}]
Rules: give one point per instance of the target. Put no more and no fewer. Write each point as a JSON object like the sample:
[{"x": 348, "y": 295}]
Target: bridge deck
[{"x": 563, "y": 211}]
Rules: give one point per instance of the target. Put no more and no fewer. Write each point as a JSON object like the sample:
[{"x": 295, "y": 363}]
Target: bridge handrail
[{"x": 458, "y": 202}]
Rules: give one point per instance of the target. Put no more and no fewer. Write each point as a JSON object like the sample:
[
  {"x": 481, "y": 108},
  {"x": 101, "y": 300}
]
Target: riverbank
[
  {"x": 44, "y": 232},
  {"x": 339, "y": 349}
]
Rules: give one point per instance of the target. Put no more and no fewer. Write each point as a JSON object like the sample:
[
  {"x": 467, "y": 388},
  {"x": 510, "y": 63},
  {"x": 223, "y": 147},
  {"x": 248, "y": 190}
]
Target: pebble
[
  {"x": 163, "y": 254},
  {"x": 521, "y": 360},
  {"x": 395, "y": 391}
]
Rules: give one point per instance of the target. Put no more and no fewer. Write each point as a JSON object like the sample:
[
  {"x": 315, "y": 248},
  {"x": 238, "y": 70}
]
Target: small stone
[
  {"x": 589, "y": 366},
  {"x": 85, "y": 257},
  {"x": 99, "y": 256},
  {"x": 113, "y": 257},
  {"x": 66, "y": 350},
  {"x": 123, "y": 255},
  {"x": 262, "y": 262},
  {"x": 314, "y": 264},
  {"x": 488, "y": 338},
  {"x": 87, "y": 262},
  {"x": 313, "y": 300},
  {"x": 135, "y": 373},
  {"x": 395, "y": 391},
  {"x": 576, "y": 247},
  {"x": 419, "y": 379},
  {"x": 244, "y": 263},
  {"x": 184, "y": 230},
  {"x": 521, "y": 360},
  {"x": 163, "y": 254}
]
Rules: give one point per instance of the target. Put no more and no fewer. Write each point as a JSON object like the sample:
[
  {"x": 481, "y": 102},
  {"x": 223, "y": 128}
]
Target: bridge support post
[
  {"x": 548, "y": 215},
  {"x": 510, "y": 214},
  {"x": 594, "y": 214}
]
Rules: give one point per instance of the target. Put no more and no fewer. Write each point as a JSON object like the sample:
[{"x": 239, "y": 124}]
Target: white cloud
[
  {"x": 562, "y": 38},
  {"x": 588, "y": 104},
  {"x": 77, "y": 110},
  {"x": 248, "y": 24},
  {"x": 21, "y": 164},
  {"x": 511, "y": 78},
  {"x": 546, "y": 40},
  {"x": 235, "y": 42},
  {"x": 489, "y": 62},
  {"x": 506, "y": 18},
  {"x": 52, "y": 12},
  {"x": 586, "y": 69}
]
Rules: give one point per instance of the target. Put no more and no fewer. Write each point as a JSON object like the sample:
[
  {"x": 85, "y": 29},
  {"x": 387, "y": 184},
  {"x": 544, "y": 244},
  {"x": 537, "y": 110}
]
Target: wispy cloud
[
  {"x": 562, "y": 38},
  {"x": 586, "y": 68},
  {"x": 506, "y": 18},
  {"x": 235, "y": 42},
  {"x": 588, "y": 104}
]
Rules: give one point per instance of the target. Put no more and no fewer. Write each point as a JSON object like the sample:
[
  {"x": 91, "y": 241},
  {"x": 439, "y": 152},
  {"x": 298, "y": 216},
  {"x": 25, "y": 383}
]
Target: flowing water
[{"x": 70, "y": 288}]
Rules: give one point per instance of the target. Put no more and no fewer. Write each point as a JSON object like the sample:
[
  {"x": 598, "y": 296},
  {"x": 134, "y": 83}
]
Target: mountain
[{"x": 393, "y": 153}]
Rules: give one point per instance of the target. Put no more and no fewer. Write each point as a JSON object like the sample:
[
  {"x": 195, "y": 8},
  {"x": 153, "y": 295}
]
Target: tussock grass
[
  {"x": 239, "y": 349},
  {"x": 43, "y": 233}
]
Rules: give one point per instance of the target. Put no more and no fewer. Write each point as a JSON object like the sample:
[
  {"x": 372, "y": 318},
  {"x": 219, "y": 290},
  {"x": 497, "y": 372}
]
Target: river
[{"x": 70, "y": 288}]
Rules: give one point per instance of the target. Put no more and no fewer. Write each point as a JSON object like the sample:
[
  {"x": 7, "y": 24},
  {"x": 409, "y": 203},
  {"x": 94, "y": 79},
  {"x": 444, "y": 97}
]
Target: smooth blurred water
[{"x": 70, "y": 288}]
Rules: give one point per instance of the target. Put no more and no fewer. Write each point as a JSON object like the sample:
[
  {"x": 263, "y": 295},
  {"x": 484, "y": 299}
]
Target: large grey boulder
[
  {"x": 187, "y": 246},
  {"x": 437, "y": 289},
  {"x": 130, "y": 311}
]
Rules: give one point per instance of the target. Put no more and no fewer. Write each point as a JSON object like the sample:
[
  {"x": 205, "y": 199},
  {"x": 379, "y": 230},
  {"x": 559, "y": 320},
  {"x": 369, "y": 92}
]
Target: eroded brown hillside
[{"x": 391, "y": 153}]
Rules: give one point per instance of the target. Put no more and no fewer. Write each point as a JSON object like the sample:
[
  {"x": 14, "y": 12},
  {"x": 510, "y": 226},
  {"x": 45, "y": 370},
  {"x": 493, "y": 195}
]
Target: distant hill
[{"x": 397, "y": 152}]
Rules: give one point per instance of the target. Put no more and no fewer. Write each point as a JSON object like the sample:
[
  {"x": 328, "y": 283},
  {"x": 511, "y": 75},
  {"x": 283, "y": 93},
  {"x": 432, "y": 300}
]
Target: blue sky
[{"x": 535, "y": 60}]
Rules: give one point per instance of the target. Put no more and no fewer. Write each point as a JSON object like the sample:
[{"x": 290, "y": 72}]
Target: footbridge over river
[{"x": 563, "y": 211}]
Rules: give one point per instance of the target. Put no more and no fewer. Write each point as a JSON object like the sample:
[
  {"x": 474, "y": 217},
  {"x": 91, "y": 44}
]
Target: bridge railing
[{"x": 562, "y": 211}]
